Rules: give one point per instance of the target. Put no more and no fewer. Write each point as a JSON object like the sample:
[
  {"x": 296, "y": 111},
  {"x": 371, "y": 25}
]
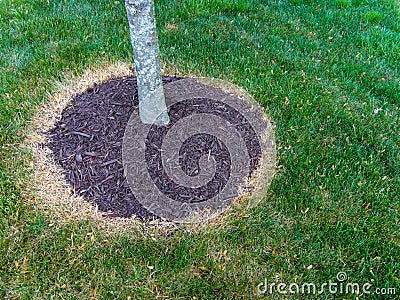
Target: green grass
[{"x": 328, "y": 73}]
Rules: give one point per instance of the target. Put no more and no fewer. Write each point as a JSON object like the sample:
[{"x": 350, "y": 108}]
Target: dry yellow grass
[{"x": 52, "y": 195}]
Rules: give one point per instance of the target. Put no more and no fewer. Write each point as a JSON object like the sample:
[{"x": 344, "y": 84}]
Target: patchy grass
[{"x": 328, "y": 73}]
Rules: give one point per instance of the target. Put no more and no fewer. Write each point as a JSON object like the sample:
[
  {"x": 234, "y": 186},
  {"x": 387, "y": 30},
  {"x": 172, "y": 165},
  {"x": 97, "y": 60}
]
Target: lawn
[{"x": 328, "y": 73}]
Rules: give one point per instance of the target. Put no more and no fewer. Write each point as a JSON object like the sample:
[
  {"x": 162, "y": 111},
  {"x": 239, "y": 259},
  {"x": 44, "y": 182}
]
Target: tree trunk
[{"x": 142, "y": 24}]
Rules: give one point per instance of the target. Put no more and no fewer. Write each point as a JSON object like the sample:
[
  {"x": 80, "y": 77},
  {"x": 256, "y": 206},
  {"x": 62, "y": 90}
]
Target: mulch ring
[{"x": 87, "y": 142}]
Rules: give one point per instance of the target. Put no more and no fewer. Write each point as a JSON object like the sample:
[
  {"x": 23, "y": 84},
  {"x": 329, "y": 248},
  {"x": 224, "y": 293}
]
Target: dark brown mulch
[{"x": 87, "y": 143}]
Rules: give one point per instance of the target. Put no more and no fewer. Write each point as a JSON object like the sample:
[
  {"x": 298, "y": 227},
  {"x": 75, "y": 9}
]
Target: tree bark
[{"x": 142, "y": 24}]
